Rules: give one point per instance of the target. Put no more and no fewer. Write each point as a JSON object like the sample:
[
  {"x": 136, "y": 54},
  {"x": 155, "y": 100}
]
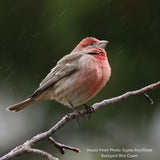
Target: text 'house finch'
[{"x": 76, "y": 78}]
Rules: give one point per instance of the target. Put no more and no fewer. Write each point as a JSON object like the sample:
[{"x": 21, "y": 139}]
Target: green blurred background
[{"x": 34, "y": 35}]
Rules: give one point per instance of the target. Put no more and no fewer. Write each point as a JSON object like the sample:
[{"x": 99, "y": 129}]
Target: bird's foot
[
  {"x": 76, "y": 113},
  {"x": 89, "y": 110}
]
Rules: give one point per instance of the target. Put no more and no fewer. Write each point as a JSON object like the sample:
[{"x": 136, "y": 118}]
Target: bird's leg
[
  {"x": 76, "y": 112},
  {"x": 89, "y": 110}
]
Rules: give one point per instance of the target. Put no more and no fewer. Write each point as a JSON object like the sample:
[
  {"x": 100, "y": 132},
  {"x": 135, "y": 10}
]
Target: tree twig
[
  {"x": 27, "y": 146},
  {"x": 40, "y": 153},
  {"x": 61, "y": 147},
  {"x": 148, "y": 98}
]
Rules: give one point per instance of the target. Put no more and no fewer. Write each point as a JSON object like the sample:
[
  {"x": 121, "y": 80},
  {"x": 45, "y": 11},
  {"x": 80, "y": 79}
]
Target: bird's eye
[{"x": 91, "y": 44}]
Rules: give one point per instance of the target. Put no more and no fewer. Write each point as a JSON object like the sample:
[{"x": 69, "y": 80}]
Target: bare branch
[
  {"x": 40, "y": 153},
  {"x": 148, "y": 98},
  {"x": 127, "y": 95},
  {"x": 61, "y": 147},
  {"x": 26, "y": 147}
]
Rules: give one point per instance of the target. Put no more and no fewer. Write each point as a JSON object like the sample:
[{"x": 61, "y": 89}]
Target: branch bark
[{"x": 27, "y": 146}]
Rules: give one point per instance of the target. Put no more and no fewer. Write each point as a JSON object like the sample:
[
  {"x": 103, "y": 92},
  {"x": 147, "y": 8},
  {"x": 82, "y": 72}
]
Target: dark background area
[{"x": 34, "y": 35}]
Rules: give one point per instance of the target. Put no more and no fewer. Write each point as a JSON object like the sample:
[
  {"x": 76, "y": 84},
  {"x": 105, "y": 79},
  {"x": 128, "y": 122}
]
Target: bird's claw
[
  {"x": 89, "y": 110},
  {"x": 77, "y": 115}
]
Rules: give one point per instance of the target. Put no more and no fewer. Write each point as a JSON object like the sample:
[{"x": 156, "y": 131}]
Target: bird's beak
[{"x": 102, "y": 44}]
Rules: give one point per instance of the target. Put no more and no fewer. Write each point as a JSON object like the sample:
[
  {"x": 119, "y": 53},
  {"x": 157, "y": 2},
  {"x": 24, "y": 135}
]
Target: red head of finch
[{"x": 76, "y": 78}]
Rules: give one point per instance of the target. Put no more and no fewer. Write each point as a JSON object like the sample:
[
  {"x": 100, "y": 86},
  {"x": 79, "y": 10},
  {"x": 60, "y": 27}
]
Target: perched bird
[{"x": 76, "y": 78}]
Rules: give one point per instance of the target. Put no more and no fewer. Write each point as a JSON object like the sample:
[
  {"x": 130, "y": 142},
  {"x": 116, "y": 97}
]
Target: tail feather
[{"x": 20, "y": 106}]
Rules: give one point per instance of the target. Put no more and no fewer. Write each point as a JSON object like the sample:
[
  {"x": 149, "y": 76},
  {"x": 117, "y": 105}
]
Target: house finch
[{"x": 76, "y": 78}]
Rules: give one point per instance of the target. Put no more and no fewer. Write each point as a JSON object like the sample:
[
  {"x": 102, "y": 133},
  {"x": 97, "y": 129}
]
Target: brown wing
[{"x": 66, "y": 66}]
